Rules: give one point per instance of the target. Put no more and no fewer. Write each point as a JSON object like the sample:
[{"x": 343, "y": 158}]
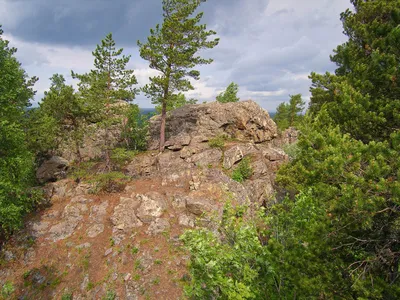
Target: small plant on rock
[{"x": 243, "y": 171}]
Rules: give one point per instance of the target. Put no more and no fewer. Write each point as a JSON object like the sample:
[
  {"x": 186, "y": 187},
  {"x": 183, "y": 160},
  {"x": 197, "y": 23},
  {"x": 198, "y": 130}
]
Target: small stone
[
  {"x": 84, "y": 246},
  {"x": 108, "y": 252},
  {"x": 127, "y": 277}
]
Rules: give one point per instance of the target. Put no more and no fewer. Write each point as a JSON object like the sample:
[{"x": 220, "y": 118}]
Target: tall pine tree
[
  {"x": 107, "y": 83},
  {"x": 172, "y": 50}
]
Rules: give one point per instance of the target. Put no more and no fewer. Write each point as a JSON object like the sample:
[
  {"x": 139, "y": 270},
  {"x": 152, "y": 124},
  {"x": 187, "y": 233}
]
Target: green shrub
[
  {"x": 121, "y": 156},
  {"x": 109, "y": 182},
  {"x": 7, "y": 290},
  {"x": 230, "y": 264},
  {"x": 243, "y": 171},
  {"x": 217, "y": 142},
  {"x": 66, "y": 296},
  {"x": 111, "y": 295}
]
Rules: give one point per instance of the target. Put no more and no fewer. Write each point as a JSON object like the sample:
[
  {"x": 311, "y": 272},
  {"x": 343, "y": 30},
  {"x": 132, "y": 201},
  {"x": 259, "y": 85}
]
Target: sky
[{"x": 268, "y": 47}]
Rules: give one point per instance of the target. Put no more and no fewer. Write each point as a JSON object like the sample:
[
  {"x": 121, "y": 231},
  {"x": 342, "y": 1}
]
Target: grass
[
  {"x": 134, "y": 250},
  {"x": 217, "y": 142}
]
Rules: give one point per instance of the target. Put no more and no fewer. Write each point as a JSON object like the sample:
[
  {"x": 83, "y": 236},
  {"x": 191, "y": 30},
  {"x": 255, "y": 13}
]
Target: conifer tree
[
  {"x": 172, "y": 50},
  {"x": 108, "y": 82},
  {"x": 363, "y": 95},
  {"x": 289, "y": 114},
  {"x": 230, "y": 95}
]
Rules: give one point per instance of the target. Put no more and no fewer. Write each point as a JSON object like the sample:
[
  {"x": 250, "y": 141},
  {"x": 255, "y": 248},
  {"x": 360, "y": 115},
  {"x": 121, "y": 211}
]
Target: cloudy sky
[{"x": 268, "y": 47}]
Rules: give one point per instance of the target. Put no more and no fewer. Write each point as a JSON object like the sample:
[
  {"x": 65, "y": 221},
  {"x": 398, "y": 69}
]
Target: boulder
[
  {"x": 191, "y": 124},
  {"x": 53, "y": 169},
  {"x": 124, "y": 217},
  {"x": 152, "y": 206}
]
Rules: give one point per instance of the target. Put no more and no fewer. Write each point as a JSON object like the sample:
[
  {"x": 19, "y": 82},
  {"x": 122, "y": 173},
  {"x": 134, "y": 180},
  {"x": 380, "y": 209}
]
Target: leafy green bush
[
  {"x": 217, "y": 142},
  {"x": 109, "y": 182},
  {"x": 66, "y": 296},
  {"x": 7, "y": 290},
  {"x": 230, "y": 264},
  {"x": 136, "y": 130},
  {"x": 243, "y": 170},
  {"x": 121, "y": 156}
]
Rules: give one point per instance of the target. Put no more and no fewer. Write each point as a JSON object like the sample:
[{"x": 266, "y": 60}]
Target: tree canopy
[
  {"x": 230, "y": 94},
  {"x": 172, "y": 49},
  {"x": 16, "y": 163}
]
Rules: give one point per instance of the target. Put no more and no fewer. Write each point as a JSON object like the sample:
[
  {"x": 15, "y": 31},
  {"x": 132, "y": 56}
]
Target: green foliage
[
  {"x": 109, "y": 182},
  {"x": 60, "y": 112},
  {"x": 172, "y": 49},
  {"x": 289, "y": 114},
  {"x": 217, "y": 142},
  {"x": 110, "y": 295},
  {"x": 230, "y": 95},
  {"x": 136, "y": 129},
  {"x": 7, "y": 290},
  {"x": 230, "y": 264},
  {"x": 363, "y": 95},
  {"x": 356, "y": 186},
  {"x": 66, "y": 296},
  {"x": 102, "y": 88},
  {"x": 243, "y": 170},
  {"x": 16, "y": 163},
  {"x": 176, "y": 101},
  {"x": 121, "y": 156}
]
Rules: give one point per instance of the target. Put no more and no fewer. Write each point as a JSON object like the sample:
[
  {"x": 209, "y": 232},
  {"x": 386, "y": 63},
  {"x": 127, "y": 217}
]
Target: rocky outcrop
[
  {"x": 129, "y": 241},
  {"x": 92, "y": 145},
  {"x": 52, "y": 169},
  {"x": 193, "y": 124}
]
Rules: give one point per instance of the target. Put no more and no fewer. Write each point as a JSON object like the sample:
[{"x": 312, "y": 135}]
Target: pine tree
[
  {"x": 363, "y": 97},
  {"x": 172, "y": 50},
  {"x": 176, "y": 101},
  {"x": 102, "y": 87},
  {"x": 230, "y": 95},
  {"x": 289, "y": 114}
]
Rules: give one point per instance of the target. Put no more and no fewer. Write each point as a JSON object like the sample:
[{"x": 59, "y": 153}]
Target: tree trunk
[
  {"x": 163, "y": 122},
  {"x": 164, "y": 109}
]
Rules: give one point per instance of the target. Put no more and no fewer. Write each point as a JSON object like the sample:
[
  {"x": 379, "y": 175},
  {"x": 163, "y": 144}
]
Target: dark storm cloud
[
  {"x": 86, "y": 22},
  {"x": 83, "y": 22}
]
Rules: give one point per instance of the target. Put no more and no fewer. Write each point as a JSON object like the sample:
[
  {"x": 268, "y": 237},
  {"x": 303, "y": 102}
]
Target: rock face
[
  {"x": 191, "y": 124},
  {"x": 53, "y": 169},
  {"x": 93, "y": 141}
]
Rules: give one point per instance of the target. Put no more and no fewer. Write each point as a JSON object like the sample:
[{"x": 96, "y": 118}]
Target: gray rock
[
  {"x": 185, "y": 220},
  {"x": 206, "y": 158},
  {"x": 152, "y": 206},
  {"x": 53, "y": 169},
  {"x": 85, "y": 282},
  {"x": 108, "y": 252},
  {"x": 84, "y": 246},
  {"x": 245, "y": 121},
  {"x": 198, "y": 205},
  {"x": 124, "y": 217},
  {"x": 158, "y": 226},
  {"x": 95, "y": 230}
]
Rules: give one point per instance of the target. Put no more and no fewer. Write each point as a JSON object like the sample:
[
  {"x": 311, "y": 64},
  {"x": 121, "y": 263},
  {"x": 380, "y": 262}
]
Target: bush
[
  {"x": 230, "y": 264},
  {"x": 243, "y": 171},
  {"x": 121, "y": 156},
  {"x": 109, "y": 182},
  {"x": 7, "y": 290},
  {"x": 217, "y": 142}
]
